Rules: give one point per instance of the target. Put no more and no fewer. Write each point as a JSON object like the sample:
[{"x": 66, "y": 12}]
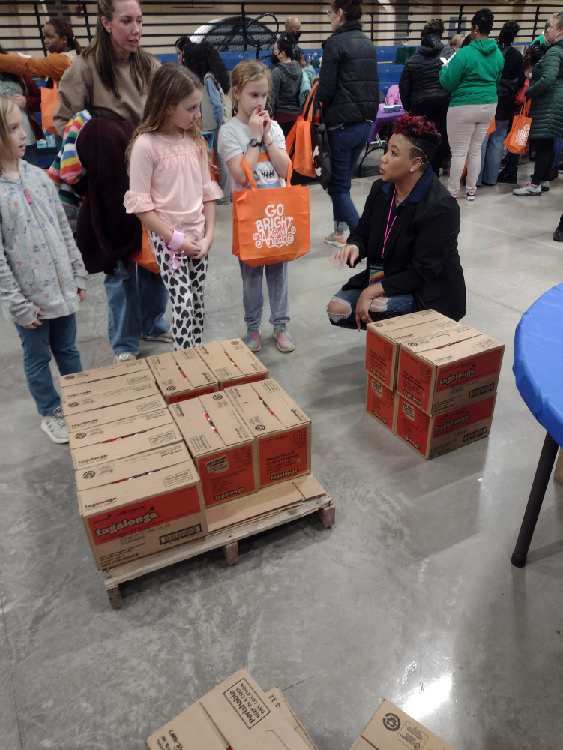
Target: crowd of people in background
[{"x": 157, "y": 146}]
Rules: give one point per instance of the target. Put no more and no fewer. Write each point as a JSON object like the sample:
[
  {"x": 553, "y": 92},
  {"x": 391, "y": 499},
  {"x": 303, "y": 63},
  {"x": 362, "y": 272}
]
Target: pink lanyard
[{"x": 389, "y": 224}]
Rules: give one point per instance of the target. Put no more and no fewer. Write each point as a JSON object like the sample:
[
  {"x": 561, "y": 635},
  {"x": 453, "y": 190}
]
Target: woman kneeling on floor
[{"x": 408, "y": 236}]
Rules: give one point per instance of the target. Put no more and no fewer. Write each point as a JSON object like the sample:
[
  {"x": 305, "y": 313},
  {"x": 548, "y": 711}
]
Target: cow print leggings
[{"x": 186, "y": 287}]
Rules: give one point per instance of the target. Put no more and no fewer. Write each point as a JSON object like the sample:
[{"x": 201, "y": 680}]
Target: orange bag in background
[
  {"x": 299, "y": 142},
  {"x": 146, "y": 256},
  {"x": 49, "y": 105},
  {"x": 517, "y": 140},
  {"x": 270, "y": 225},
  {"x": 492, "y": 126}
]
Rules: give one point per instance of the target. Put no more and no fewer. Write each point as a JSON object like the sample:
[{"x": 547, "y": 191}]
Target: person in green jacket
[
  {"x": 546, "y": 94},
  {"x": 471, "y": 77}
]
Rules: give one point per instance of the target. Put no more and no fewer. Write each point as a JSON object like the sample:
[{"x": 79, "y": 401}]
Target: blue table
[{"x": 538, "y": 367}]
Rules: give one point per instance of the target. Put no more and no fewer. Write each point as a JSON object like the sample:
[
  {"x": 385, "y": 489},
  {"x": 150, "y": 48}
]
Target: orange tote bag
[
  {"x": 271, "y": 225},
  {"x": 517, "y": 140},
  {"x": 146, "y": 256},
  {"x": 49, "y": 105},
  {"x": 299, "y": 142}
]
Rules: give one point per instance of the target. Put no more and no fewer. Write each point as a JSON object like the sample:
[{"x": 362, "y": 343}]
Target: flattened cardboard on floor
[
  {"x": 91, "y": 420},
  {"x": 119, "y": 429},
  {"x": 221, "y": 446},
  {"x": 119, "y": 394},
  {"x": 279, "y": 701},
  {"x": 144, "y": 514},
  {"x": 236, "y": 714},
  {"x": 144, "y": 440},
  {"x": 442, "y": 433},
  {"x": 229, "y": 362},
  {"x": 439, "y": 379},
  {"x": 382, "y": 349},
  {"x": 182, "y": 375},
  {"x": 380, "y": 402},
  {"x": 103, "y": 373},
  {"x": 281, "y": 428},
  {"x": 392, "y": 729}
]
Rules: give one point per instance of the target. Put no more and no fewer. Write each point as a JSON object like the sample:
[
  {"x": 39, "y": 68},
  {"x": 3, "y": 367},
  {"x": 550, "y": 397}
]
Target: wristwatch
[{"x": 254, "y": 143}]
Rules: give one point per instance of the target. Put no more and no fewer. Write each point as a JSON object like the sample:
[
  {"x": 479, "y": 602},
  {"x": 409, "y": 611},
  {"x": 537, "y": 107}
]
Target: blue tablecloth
[{"x": 538, "y": 361}]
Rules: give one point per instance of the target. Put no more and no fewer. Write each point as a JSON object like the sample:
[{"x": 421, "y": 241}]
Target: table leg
[{"x": 537, "y": 494}]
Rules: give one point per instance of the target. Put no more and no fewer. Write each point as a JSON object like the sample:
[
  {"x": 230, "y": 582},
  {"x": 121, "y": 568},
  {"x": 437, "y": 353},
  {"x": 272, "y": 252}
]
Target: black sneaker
[
  {"x": 558, "y": 235},
  {"x": 507, "y": 178}
]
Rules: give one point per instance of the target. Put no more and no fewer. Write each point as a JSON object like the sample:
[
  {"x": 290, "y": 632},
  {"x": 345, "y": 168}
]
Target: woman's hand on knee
[{"x": 347, "y": 255}]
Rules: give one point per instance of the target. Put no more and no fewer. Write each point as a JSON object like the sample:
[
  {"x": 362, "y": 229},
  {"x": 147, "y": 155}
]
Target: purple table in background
[{"x": 373, "y": 142}]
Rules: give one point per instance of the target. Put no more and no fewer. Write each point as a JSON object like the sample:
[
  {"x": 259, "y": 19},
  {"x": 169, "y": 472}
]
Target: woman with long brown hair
[{"x": 110, "y": 79}]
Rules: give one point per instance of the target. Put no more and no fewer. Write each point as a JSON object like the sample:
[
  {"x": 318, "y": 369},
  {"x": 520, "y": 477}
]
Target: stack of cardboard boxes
[
  {"x": 158, "y": 444},
  {"x": 432, "y": 381},
  {"x": 238, "y": 715}
]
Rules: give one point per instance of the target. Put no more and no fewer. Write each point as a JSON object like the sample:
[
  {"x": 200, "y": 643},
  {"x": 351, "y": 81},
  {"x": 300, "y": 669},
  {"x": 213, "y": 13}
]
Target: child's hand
[
  {"x": 81, "y": 294},
  {"x": 255, "y": 123},
  {"x": 205, "y": 245},
  {"x": 34, "y": 324},
  {"x": 191, "y": 248},
  {"x": 266, "y": 122}
]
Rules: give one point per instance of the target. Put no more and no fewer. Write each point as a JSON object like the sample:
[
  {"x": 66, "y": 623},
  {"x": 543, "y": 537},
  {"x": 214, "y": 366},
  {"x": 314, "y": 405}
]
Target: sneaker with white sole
[
  {"x": 284, "y": 342},
  {"x": 470, "y": 195},
  {"x": 335, "y": 239},
  {"x": 55, "y": 428},
  {"x": 545, "y": 187},
  {"x": 529, "y": 189},
  {"x": 124, "y": 357},
  {"x": 253, "y": 341}
]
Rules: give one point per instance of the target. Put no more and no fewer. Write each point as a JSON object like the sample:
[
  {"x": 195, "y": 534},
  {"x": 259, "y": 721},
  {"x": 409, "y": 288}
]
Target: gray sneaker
[
  {"x": 54, "y": 427},
  {"x": 123, "y": 357}
]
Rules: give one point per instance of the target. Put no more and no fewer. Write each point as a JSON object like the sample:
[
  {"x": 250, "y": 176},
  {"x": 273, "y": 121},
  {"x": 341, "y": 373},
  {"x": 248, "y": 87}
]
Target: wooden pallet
[{"x": 227, "y": 537}]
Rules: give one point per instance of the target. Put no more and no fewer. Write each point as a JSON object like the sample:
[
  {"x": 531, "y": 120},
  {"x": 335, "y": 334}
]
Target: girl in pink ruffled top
[{"x": 173, "y": 194}]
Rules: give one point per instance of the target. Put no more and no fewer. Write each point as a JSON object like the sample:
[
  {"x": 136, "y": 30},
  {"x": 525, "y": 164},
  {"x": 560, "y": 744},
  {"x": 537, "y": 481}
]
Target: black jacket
[
  {"x": 420, "y": 79},
  {"x": 421, "y": 256},
  {"x": 348, "y": 81},
  {"x": 511, "y": 81},
  {"x": 286, "y": 82}
]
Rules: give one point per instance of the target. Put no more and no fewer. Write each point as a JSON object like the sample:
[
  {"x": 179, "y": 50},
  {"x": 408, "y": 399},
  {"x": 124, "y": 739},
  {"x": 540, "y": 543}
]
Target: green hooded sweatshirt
[{"x": 471, "y": 75}]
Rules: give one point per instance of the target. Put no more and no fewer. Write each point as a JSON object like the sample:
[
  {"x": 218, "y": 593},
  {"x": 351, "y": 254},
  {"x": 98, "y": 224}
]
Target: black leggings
[{"x": 544, "y": 159}]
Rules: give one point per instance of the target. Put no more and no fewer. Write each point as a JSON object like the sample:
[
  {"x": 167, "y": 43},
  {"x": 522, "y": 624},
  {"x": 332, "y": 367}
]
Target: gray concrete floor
[{"x": 411, "y": 596}]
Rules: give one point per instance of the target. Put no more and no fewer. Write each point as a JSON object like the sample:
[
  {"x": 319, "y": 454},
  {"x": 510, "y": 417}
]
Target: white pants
[{"x": 467, "y": 128}]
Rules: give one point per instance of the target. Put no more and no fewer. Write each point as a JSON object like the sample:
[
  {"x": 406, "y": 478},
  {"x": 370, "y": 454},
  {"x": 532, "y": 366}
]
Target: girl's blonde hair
[
  {"x": 170, "y": 85},
  {"x": 245, "y": 72},
  {"x": 6, "y": 105}
]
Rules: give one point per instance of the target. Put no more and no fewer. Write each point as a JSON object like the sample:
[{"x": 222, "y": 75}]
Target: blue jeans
[
  {"x": 346, "y": 144},
  {"x": 492, "y": 151},
  {"x": 136, "y": 305},
  {"x": 253, "y": 298},
  {"x": 56, "y": 336},
  {"x": 397, "y": 304}
]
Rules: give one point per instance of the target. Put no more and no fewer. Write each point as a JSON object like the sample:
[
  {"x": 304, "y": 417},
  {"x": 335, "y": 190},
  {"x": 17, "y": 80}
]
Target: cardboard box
[
  {"x": 103, "y": 373},
  {"x": 434, "y": 436},
  {"x": 120, "y": 428},
  {"x": 120, "y": 393},
  {"x": 440, "y": 379},
  {"x": 279, "y": 702},
  {"x": 220, "y": 444},
  {"x": 107, "y": 385},
  {"x": 380, "y": 402},
  {"x": 91, "y": 420},
  {"x": 181, "y": 375},
  {"x": 237, "y": 714},
  {"x": 392, "y": 729},
  {"x": 282, "y": 430},
  {"x": 232, "y": 362},
  {"x": 141, "y": 515},
  {"x": 382, "y": 348},
  {"x": 145, "y": 439}
]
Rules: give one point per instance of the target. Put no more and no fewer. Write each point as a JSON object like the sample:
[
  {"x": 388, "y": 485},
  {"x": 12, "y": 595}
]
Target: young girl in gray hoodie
[{"x": 42, "y": 276}]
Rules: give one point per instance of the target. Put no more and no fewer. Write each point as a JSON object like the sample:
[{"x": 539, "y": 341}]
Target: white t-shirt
[{"x": 234, "y": 137}]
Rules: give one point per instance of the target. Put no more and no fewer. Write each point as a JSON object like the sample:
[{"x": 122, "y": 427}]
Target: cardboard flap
[
  {"x": 459, "y": 350},
  {"x": 199, "y": 435},
  {"x": 101, "y": 373},
  {"x": 244, "y": 359},
  {"x": 138, "y": 443},
  {"x": 129, "y": 380},
  {"x": 77, "y": 404},
  {"x": 189, "y": 727},
  {"x": 92, "y": 419},
  {"x": 118, "y": 429},
  {"x": 194, "y": 368},
  {"x": 280, "y": 403},
  {"x": 440, "y": 337},
  {"x": 217, "y": 359},
  {"x": 226, "y": 420},
  {"x": 254, "y": 411},
  {"x": 404, "y": 321},
  {"x": 392, "y": 729}
]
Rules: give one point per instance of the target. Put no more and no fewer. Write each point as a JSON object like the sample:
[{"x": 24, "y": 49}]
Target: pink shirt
[{"x": 170, "y": 174}]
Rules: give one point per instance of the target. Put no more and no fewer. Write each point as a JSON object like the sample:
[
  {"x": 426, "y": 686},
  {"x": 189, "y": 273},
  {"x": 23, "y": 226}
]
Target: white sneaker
[
  {"x": 335, "y": 239},
  {"x": 470, "y": 195},
  {"x": 55, "y": 428},
  {"x": 529, "y": 189},
  {"x": 123, "y": 357}
]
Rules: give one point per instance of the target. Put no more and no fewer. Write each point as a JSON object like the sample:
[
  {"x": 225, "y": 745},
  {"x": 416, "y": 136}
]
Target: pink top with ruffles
[{"x": 170, "y": 174}]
